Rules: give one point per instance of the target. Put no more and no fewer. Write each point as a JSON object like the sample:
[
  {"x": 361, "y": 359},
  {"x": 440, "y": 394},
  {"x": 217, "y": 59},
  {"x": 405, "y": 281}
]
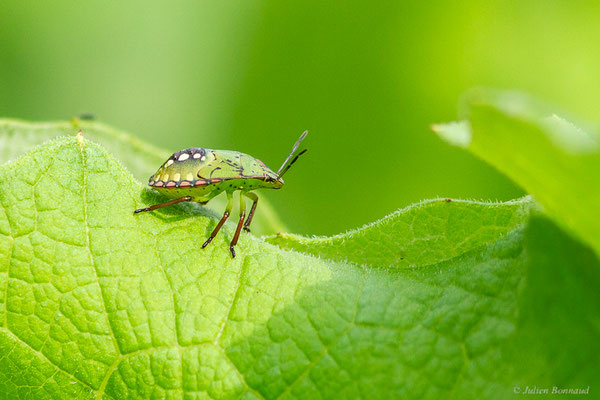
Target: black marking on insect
[{"x": 214, "y": 170}]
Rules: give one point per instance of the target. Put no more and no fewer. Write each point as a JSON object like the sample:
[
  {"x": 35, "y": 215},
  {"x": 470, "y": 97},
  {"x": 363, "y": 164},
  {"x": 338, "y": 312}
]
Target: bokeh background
[{"x": 365, "y": 78}]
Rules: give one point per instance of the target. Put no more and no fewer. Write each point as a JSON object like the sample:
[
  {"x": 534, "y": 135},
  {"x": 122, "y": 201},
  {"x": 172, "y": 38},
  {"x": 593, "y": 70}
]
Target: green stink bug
[{"x": 197, "y": 174}]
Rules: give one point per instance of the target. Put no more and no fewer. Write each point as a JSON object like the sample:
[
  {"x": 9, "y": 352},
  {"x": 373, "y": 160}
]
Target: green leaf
[
  {"x": 426, "y": 233},
  {"x": 550, "y": 157},
  {"x": 100, "y": 303},
  {"x": 140, "y": 158}
]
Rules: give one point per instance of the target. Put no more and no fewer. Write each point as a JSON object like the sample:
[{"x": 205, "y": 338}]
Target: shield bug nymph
[{"x": 197, "y": 174}]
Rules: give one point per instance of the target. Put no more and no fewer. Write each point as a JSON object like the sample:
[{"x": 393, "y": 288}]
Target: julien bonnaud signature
[{"x": 550, "y": 390}]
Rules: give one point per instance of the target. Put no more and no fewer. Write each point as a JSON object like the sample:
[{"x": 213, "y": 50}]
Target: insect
[{"x": 198, "y": 175}]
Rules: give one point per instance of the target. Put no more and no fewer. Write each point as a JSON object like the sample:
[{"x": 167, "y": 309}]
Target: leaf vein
[
  {"x": 91, "y": 255},
  {"x": 43, "y": 356}
]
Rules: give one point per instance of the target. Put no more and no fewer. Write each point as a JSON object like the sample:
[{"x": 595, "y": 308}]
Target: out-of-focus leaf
[{"x": 548, "y": 156}]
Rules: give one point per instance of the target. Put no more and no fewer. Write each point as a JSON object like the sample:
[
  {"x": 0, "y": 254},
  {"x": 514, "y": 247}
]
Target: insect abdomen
[{"x": 180, "y": 170}]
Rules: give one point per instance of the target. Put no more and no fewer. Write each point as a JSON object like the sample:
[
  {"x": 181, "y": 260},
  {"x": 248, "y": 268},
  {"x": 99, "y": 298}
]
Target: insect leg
[
  {"x": 239, "y": 225},
  {"x": 254, "y": 198},
  {"x": 222, "y": 221},
  {"x": 168, "y": 203}
]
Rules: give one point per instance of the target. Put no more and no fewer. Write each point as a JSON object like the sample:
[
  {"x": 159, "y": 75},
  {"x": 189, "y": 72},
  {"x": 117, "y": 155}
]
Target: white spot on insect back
[
  {"x": 197, "y": 155},
  {"x": 183, "y": 157},
  {"x": 169, "y": 163},
  {"x": 176, "y": 177},
  {"x": 203, "y": 158},
  {"x": 189, "y": 177}
]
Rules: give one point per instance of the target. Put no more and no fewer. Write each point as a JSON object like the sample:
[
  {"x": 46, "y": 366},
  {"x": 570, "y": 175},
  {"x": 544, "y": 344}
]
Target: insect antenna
[
  {"x": 283, "y": 169},
  {"x": 292, "y": 163}
]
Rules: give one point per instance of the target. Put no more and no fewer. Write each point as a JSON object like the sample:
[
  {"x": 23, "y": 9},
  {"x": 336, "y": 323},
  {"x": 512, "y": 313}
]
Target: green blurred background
[{"x": 365, "y": 78}]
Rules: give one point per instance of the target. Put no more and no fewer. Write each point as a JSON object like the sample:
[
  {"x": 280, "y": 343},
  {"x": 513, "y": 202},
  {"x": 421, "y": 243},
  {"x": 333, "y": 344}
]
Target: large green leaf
[
  {"x": 550, "y": 157},
  {"x": 100, "y": 303},
  {"x": 140, "y": 158}
]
